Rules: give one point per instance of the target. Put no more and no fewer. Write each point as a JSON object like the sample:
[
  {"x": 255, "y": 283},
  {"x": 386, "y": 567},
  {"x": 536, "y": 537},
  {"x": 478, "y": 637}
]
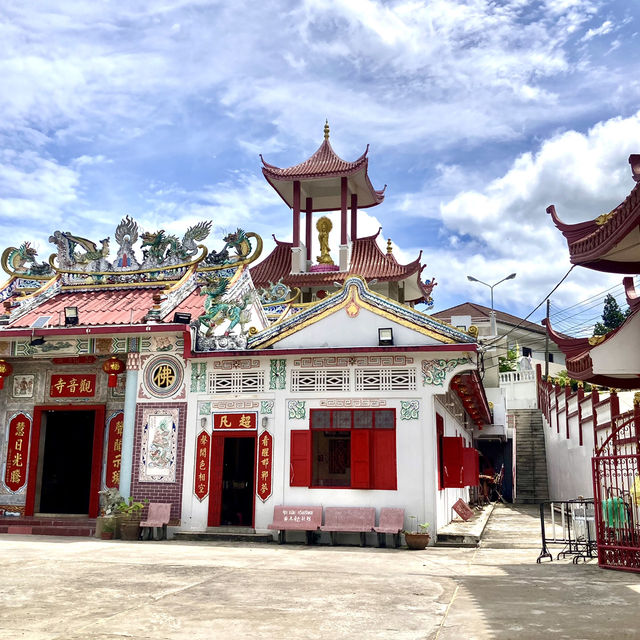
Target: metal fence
[{"x": 570, "y": 525}]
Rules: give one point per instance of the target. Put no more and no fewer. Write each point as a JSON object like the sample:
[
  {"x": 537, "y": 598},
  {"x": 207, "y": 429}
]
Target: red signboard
[
  {"x": 17, "y": 452},
  {"x": 71, "y": 385},
  {"x": 114, "y": 450},
  {"x": 201, "y": 479},
  {"x": 463, "y": 510},
  {"x": 235, "y": 421},
  {"x": 265, "y": 457}
]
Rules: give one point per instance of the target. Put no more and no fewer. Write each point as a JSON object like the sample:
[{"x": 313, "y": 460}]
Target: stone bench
[
  {"x": 286, "y": 518},
  {"x": 391, "y": 521},
  {"x": 349, "y": 520},
  {"x": 158, "y": 516}
]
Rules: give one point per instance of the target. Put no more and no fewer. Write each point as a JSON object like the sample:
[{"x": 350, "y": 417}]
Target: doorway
[
  {"x": 65, "y": 460},
  {"x": 232, "y": 480}
]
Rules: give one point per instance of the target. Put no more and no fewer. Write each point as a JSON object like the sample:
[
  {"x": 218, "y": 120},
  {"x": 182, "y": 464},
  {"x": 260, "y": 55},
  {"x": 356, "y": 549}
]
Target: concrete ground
[{"x": 70, "y": 589}]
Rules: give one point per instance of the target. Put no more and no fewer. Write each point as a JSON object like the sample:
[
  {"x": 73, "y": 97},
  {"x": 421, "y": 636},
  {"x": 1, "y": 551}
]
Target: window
[
  {"x": 320, "y": 380},
  {"x": 526, "y": 352},
  {"x": 386, "y": 379},
  {"x": 551, "y": 357},
  {"x": 349, "y": 448},
  {"x": 236, "y": 382}
]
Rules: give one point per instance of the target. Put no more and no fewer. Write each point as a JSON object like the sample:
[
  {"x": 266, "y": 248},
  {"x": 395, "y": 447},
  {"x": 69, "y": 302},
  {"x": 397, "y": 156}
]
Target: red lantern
[
  {"x": 113, "y": 366},
  {"x": 5, "y": 370}
]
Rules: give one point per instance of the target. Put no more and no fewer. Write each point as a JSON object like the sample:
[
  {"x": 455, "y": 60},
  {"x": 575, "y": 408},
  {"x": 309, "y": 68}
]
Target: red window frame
[{"x": 373, "y": 452}]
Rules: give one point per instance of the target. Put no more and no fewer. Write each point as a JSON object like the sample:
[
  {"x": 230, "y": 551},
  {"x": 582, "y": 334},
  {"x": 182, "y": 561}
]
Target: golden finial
[
  {"x": 580, "y": 384},
  {"x": 636, "y": 397},
  {"x": 326, "y": 129},
  {"x": 389, "y": 247}
]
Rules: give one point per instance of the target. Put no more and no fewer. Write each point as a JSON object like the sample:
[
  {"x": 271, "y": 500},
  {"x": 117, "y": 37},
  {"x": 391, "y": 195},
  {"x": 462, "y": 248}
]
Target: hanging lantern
[
  {"x": 113, "y": 366},
  {"x": 5, "y": 370}
]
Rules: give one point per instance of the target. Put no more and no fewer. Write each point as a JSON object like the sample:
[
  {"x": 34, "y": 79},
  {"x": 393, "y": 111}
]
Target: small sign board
[{"x": 463, "y": 510}]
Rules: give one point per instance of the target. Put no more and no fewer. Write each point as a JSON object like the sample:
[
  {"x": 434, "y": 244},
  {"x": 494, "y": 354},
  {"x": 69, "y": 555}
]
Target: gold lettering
[
  {"x": 73, "y": 384},
  {"x": 18, "y": 445},
  {"x": 17, "y": 460},
  {"x": 60, "y": 385},
  {"x": 85, "y": 387},
  {"x": 164, "y": 376},
  {"x": 15, "y": 477},
  {"x": 115, "y": 477},
  {"x": 245, "y": 421},
  {"x": 20, "y": 428},
  {"x": 224, "y": 422}
]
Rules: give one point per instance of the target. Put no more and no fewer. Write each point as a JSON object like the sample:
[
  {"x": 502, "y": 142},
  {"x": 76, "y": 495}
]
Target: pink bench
[
  {"x": 349, "y": 519},
  {"x": 306, "y": 519},
  {"x": 391, "y": 521},
  {"x": 158, "y": 516}
]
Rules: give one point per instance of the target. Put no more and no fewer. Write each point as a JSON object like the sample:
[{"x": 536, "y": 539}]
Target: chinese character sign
[
  {"x": 265, "y": 455},
  {"x": 72, "y": 385},
  {"x": 17, "y": 452},
  {"x": 114, "y": 450},
  {"x": 201, "y": 472},
  {"x": 235, "y": 421}
]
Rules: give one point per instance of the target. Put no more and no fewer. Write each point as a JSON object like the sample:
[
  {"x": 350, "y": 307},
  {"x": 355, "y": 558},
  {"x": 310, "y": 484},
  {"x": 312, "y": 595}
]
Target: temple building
[{"x": 227, "y": 386}]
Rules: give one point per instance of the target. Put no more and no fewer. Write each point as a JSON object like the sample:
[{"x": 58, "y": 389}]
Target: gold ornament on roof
[
  {"x": 326, "y": 129},
  {"x": 596, "y": 340},
  {"x": 636, "y": 397},
  {"x": 473, "y": 331},
  {"x": 324, "y": 226},
  {"x": 604, "y": 218},
  {"x": 389, "y": 247}
]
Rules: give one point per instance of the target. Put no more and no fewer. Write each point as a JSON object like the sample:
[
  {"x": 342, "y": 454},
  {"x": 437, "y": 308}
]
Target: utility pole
[{"x": 546, "y": 344}]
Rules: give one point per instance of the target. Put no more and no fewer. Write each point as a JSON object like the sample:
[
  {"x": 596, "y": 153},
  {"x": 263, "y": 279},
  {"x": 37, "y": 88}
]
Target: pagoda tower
[{"x": 322, "y": 183}]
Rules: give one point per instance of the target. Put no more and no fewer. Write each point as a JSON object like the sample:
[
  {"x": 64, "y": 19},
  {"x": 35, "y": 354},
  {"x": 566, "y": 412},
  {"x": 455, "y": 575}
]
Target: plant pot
[
  {"x": 417, "y": 541},
  {"x": 105, "y": 523},
  {"x": 106, "y": 535},
  {"x": 129, "y": 529}
]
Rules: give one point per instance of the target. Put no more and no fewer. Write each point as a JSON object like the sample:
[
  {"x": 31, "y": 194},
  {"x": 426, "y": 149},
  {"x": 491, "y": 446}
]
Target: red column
[
  {"x": 354, "y": 216},
  {"x": 595, "y": 399},
  {"x": 580, "y": 399},
  {"x": 343, "y": 211},
  {"x": 296, "y": 213},
  {"x": 309, "y": 221}
]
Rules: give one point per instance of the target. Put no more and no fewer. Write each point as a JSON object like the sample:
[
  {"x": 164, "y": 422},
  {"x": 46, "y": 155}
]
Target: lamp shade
[
  {"x": 113, "y": 366},
  {"x": 5, "y": 370}
]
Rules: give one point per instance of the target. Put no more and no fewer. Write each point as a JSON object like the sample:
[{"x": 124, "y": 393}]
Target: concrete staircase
[
  {"x": 48, "y": 526},
  {"x": 531, "y": 460}
]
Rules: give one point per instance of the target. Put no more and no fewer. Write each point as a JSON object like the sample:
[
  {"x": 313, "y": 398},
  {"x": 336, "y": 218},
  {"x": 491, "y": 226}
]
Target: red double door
[{"x": 232, "y": 484}]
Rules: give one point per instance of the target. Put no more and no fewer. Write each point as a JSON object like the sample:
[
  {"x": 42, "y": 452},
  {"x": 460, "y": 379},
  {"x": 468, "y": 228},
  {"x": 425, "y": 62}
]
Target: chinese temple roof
[
  {"x": 611, "y": 242},
  {"x": 320, "y": 176},
  {"x": 367, "y": 261},
  {"x": 580, "y": 355},
  {"x": 95, "y": 307}
]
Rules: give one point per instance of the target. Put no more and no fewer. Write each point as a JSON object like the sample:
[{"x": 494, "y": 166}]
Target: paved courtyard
[{"x": 67, "y": 589}]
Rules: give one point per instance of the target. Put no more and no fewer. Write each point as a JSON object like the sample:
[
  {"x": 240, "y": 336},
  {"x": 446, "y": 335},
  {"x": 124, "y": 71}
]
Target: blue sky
[{"x": 479, "y": 114}]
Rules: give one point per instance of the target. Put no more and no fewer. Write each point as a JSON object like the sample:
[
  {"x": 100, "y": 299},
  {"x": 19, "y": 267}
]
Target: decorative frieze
[
  {"x": 409, "y": 409},
  {"x": 278, "y": 374},
  {"x": 235, "y": 404},
  {"x": 297, "y": 409},
  {"x": 266, "y": 407},
  {"x": 198, "y": 376},
  {"x": 349, "y": 361},
  {"x": 356, "y": 403},
  {"x": 239, "y": 363},
  {"x": 435, "y": 371}
]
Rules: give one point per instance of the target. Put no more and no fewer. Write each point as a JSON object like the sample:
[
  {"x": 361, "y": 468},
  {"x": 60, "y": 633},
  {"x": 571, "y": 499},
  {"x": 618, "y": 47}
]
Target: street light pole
[{"x": 491, "y": 287}]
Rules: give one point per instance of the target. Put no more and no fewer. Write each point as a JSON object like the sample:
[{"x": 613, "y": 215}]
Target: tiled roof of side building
[
  {"x": 95, "y": 307},
  {"x": 479, "y": 311}
]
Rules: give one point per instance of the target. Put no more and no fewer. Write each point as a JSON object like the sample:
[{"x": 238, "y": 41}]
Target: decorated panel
[
  {"x": 235, "y": 421},
  {"x": 17, "y": 451},
  {"x": 159, "y": 446},
  {"x": 265, "y": 465},
  {"x": 72, "y": 385},
  {"x": 201, "y": 472},
  {"x": 115, "y": 426}
]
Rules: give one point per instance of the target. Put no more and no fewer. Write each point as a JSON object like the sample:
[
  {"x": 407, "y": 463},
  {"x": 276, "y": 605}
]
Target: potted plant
[
  {"x": 419, "y": 538},
  {"x": 129, "y": 516},
  {"x": 108, "y": 528},
  {"x": 109, "y": 501}
]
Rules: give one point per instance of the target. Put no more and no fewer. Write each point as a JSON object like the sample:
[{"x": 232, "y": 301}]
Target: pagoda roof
[
  {"x": 610, "y": 242},
  {"x": 580, "y": 355},
  {"x": 320, "y": 175},
  {"x": 367, "y": 261}
]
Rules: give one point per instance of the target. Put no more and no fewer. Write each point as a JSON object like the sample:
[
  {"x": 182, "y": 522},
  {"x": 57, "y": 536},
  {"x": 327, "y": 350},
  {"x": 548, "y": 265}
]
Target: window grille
[
  {"x": 320, "y": 380},
  {"x": 236, "y": 382},
  {"x": 387, "y": 379}
]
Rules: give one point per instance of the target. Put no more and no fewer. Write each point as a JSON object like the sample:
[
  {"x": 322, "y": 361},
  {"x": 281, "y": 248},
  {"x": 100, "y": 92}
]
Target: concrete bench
[
  {"x": 391, "y": 521},
  {"x": 286, "y": 518},
  {"x": 349, "y": 520},
  {"x": 158, "y": 516}
]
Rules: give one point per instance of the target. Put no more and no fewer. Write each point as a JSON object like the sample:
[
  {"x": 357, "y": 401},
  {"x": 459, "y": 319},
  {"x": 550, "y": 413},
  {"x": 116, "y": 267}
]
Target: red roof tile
[
  {"x": 367, "y": 261},
  {"x": 95, "y": 307},
  {"x": 325, "y": 162}
]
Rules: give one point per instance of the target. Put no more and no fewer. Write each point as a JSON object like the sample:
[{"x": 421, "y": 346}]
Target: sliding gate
[{"x": 616, "y": 485}]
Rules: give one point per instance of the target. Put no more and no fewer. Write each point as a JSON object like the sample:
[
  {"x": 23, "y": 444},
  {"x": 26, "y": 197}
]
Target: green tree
[
  {"x": 508, "y": 362},
  {"x": 612, "y": 317}
]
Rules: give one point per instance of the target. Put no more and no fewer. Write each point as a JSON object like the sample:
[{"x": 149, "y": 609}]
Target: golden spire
[
  {"x": 389, "y": 247},
  {"x": 326, "y": 129}
]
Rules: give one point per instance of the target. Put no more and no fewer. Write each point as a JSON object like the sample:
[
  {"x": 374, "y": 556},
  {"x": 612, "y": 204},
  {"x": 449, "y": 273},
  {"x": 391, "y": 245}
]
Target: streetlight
[{"x": 492, "y": 286}]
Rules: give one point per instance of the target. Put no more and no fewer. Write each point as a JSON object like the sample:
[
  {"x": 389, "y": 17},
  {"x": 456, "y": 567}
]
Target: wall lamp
[
  {"x": 385, "y": 337},
  {"x": 70, "y": 315},
  {"x": 181, "y": 318}
]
